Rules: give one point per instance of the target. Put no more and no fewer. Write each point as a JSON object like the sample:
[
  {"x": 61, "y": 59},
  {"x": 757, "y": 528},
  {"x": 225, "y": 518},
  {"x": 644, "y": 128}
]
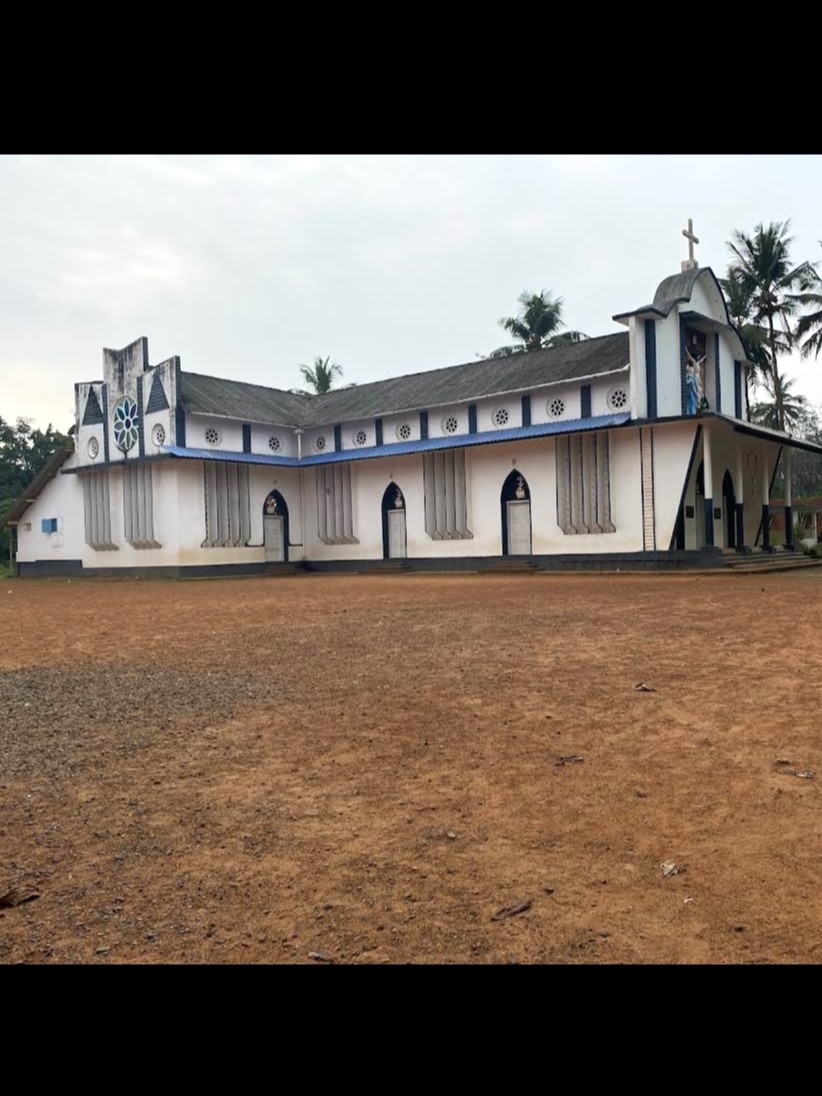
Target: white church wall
[
  {"x": 438, "y": 416},
  {"x": 639, "y": 386},
  {"x": 673, "y": 446},
  {"x": 392, "y": 424},
  {"x": 507, "y": 408},
  {"x": 352, "y": 434},
  {"x": 668, "y": 369},
  {"x": 542, "y": 400},
  {"x": 284, "y": 441},
  {"x": 726, "y": 366},
  {"x": 229, "y": 431}
]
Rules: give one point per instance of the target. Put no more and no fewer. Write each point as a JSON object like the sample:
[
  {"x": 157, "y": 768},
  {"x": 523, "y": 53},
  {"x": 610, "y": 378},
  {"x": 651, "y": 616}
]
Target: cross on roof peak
[{"x": 690, "y": 263}]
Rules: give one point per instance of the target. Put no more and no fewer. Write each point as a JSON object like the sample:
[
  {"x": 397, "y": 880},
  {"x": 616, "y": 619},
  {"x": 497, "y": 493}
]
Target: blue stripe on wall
[
  {"x": 526, "y": 410},
  {"x": 246, "y": 437},
  {"x": 585, "y": 401},
  {"x": 738, "y": 389},
  {"x": 718, "y": 373},
  {"x": 378, "y": 431},
  {"x": 423, "y": 425},
  {"x": 472, "y": 418},
  {"x": 650, "y": 366}
]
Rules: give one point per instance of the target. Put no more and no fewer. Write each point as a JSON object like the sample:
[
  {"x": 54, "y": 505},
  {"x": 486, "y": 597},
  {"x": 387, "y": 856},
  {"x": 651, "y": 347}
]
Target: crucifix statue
[{"x": 690, "y": 263}]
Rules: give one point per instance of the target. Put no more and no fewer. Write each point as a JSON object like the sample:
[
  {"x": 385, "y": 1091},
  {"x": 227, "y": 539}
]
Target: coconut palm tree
[
  {"x": 785, "y": 410},
  {"x": 537, "y": 325},
  {"x": 763, "y": 272},
  {"x": 808, "y": 330},
  {"x": 320, "y": 376}
]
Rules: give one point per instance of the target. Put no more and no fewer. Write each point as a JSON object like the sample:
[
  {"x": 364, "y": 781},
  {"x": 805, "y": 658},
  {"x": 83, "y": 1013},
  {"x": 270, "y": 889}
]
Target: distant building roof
[
  {"x": 413, "y": 392},
  {"x": 49, "y": 471}
]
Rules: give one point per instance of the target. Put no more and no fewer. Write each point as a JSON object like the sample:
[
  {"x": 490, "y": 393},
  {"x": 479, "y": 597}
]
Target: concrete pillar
[
  {"x": 789, "y": 544},
  {"x": 766, "y": 498},
  {"x": 708, "y": 476},
  {"x": 740, "y": 499}
]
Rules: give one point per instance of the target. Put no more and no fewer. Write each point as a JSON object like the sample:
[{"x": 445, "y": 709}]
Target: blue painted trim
[
  {"x": 378, "y": 431},
  {"x": 106, "y": 454},
  {"x": 585, "y": 401},
  {"x": 709, "y": 522},
  {"x": 650, "y": 366},
  {"x": 472, "y": 418},
  {"x": 246, "y": 437},
  {"x": 526, "y": 410},
  {"x": 682, "y": 385},
  {"x": 423, "y": 425},
  {"x": 141, "y": 436},
  {"x": 718, "y": 373},
  {"x": 515, "y": 433},
  {"x": 738, "y": 389},
  {"x": 337, "y": 438}
]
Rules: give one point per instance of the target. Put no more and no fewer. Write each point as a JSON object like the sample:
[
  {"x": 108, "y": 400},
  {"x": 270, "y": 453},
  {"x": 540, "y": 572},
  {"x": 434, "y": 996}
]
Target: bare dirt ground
[{"x": 368, "y": 768}]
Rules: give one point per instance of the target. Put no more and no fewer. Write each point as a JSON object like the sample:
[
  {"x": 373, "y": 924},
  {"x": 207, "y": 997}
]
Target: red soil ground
[{"x": 368, "y": 768}]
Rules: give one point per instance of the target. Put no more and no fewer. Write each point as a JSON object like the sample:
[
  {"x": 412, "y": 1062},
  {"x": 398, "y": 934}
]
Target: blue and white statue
[{"x": 694, "y": 386}]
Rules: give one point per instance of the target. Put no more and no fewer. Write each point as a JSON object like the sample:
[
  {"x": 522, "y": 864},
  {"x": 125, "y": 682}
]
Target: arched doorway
[
  {"x": 729, "y": 510},
  {"x": 394, "y": 545},
  {"x": 515, "y": 501},
  {"x": 275, "y": 528}
]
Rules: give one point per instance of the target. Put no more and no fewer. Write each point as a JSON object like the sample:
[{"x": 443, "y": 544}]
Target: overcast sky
[{"x": 246, "y": 266}]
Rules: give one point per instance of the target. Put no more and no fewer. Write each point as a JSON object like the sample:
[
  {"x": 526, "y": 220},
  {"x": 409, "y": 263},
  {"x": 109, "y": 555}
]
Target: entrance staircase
[
  {"x": 283, "y": 569},
  {"x": 759, "y": 562},
  {"x": 387, "y": 567},
  {"x": 510, "y": 565}
]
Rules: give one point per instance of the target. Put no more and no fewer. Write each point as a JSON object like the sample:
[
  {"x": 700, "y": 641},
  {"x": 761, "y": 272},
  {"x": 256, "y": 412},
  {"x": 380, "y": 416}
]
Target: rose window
[{"x": 126, "y": 417}]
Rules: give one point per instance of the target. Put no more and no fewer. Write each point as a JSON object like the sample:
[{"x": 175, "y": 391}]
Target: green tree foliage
[
  {"x": 809, "y": 327},
  {"x": 23, "y": 453},
  {"x": 537, "y": 325},
  {"x": 765, "y": 292},
  {"x": 806, "y": 468},
  {"x": 320, "y": 376}
]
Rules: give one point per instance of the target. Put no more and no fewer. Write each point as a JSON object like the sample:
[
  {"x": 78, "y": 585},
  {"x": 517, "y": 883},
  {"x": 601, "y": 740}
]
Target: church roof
[
  {"x": 33, "y": 489},
  {"x": 413, "y": 392}
]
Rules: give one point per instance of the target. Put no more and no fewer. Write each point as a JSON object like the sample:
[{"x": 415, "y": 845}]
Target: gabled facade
[{"x": 632, "y": 449}]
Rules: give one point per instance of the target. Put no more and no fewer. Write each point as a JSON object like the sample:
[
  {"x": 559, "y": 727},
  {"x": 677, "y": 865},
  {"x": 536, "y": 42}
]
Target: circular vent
[
  {"x": 404, "y": 431},
  {"x": 274, "y": 444},
  {"x": 93, "y": 448},
  {"x": 556, "y": 408},
  {"x": 213, "y": 436},
  {"x": 618, "y": 399},
  {"x": 450, "y": 424},
  {"x": 158, "y": 434},
  {"x": 319, "y": 444},
  {"x": 360, "y": 438},
  {"x": 501, "y": 417}
]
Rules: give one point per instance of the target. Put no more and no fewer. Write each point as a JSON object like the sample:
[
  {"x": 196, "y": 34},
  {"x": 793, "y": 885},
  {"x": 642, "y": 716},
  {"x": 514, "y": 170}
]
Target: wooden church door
[
  {"x": 519, "y": 528},
  {"x": 394, "y": 544},
  {"x": 396, "y": 534},
  {"x": 275, "y": 514}
]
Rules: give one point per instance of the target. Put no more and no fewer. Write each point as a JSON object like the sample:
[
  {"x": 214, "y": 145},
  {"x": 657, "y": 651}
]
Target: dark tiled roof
[
  {"x": 48, "y": 472},
  {"x": 239, "y": 400},
  {"x": 417, "y": 391}
]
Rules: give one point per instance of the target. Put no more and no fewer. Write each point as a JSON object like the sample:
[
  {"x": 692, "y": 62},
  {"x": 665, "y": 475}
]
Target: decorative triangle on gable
[
  {"x": 93, "y": 413},
  {"x": 157, "y": 399}
]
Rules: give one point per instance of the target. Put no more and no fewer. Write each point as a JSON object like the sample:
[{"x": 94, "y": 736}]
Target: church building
[{"x": 630, "y": 450}]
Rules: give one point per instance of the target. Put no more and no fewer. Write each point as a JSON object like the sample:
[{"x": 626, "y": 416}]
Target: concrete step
[
  {"x": 509, "y": 565},
  {"x": 387, "y": 567},
  {"x": 283, "y": 569}
]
